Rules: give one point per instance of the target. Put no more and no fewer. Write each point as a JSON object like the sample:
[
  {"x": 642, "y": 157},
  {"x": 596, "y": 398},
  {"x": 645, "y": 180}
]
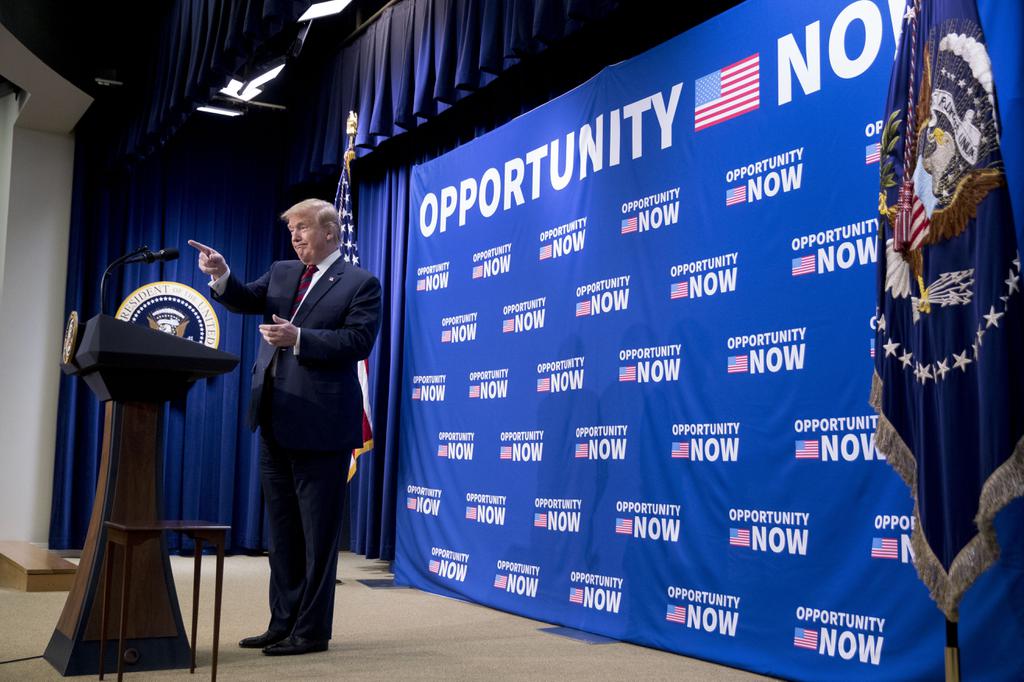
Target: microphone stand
[{"x": 106, "y": 273}]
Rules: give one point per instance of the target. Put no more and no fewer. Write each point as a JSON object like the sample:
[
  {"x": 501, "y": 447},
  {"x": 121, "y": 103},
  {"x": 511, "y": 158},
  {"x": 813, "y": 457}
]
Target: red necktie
[{"x": 307, "y": 277}]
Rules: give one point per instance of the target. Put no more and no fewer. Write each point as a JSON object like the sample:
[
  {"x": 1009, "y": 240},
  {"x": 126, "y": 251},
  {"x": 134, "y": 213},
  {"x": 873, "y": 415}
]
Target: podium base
[{"x": 83, "y": 657}]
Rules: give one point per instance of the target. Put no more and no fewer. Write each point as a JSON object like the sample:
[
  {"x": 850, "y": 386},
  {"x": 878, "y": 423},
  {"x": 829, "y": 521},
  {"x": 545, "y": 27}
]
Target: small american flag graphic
[
  {"x": 884, "y": 548},
  {"x": 545, "y": 252},
  {"x": 478, "y": 271},
  {"x": 501, "y": 581},
  {"x": 508, "y": 325},
  {"x": 471, "y": 513},
  {"x": 544, "y": 385},
  {"x": 583, "y": 308},
  {"x": 629, "y": 225},
  {"x": 627, "y": 373},
  {"x": 421, "y": 285},
  {"x": 736, "y": 364},
  {"x": 727, "y": 93},
  {"x": 872, "y": 350},
  {"x": 804, "y": 638},
  {"x": 506, "y": 452},
  {"x": 806, "y": 449},
  {"x": 442, "y": 450},
  {"x": 576, "y": 595},
  {"x": 540, "y": 520},
  {"x": 435, "y": 566},
  {"x": 873, "y": 153},
  {"x": 679, "y": 290},
  {"x": 410, "y": 503},
  {"x": 624, "y": 526},
  {"x": 474, "y": 391},
  {"x": 739, "y": 537},
  {"x": 736, "y": 195},
  {"x": 676, "y": 614},
  {"x": 446, "y": 336},
  {"x": 681, "y": 450},
  {"x": 416, "y": 393},
  {"x": 803, "y": 265},
  {"x": 582, "y": 450}
]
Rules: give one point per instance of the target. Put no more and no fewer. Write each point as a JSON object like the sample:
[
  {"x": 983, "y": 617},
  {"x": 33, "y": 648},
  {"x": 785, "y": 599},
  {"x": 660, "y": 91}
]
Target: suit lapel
[{"x": 322, "y": 286}]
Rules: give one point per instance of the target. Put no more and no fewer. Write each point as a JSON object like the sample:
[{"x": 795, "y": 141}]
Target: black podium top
[{"x": 123, "y": 361}]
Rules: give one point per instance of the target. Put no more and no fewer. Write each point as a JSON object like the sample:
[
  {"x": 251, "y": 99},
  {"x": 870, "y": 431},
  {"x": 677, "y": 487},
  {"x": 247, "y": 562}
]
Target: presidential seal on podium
[{"x": 172, "y": 308}]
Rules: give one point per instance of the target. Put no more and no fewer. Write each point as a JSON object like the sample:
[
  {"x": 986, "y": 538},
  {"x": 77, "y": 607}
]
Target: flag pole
[
  {"x": 350, "y": 128},
  {"x": 952, "y": 652}
]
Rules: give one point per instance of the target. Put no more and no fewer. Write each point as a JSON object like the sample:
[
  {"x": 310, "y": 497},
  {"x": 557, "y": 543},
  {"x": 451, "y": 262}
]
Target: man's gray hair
[{"x": 323, "y": 213}]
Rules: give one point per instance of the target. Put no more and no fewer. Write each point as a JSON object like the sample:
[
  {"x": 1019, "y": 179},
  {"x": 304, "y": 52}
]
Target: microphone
[
  {"x": 139, "y": 255},
  {"x": 147, "y": 256}
]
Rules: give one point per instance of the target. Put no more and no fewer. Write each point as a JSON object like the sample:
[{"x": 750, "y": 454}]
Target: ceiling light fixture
[
  {"x": 323, "y": 9},
  {"x": 233, "y": 88},
  {"x": 220, "y": 111},
  {"x": 252, "y": 88}
]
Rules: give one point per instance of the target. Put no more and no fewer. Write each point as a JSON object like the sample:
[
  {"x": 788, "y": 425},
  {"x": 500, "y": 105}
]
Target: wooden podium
[{"x": 134, "y": 370}]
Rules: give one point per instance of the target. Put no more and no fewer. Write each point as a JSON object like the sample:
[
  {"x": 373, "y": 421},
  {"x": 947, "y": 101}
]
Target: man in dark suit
[{"x": 321, "y": 316}]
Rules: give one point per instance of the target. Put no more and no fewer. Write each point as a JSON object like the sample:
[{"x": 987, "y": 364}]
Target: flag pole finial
[{"x": 351, "y": 126}]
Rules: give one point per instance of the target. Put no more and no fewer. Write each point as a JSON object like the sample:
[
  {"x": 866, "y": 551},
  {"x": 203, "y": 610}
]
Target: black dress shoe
[
  {"x": 268, "y": 638},
  {"x": 296, "y": 645}
]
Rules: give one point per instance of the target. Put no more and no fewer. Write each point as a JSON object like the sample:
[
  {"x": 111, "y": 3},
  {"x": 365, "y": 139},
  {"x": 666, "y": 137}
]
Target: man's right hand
[{"x": 210, "y": 261}]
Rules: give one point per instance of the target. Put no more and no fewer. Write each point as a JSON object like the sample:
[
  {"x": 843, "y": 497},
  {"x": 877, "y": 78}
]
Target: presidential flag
[
  {"x": 350, "y": 254},
  {"x": 949, "y": 386},
  {"x": 731, "y": 91}
]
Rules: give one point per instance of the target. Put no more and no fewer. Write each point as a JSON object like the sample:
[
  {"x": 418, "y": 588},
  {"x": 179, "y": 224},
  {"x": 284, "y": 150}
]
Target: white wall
[{"x": 31, "y": 328}]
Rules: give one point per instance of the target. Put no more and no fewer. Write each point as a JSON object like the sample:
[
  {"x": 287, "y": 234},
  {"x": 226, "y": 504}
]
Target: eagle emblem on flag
[{"x": 948, "y": 385}]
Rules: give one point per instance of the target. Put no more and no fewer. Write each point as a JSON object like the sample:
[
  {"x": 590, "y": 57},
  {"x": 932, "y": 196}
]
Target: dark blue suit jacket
[{"x": 316, "y": 399}]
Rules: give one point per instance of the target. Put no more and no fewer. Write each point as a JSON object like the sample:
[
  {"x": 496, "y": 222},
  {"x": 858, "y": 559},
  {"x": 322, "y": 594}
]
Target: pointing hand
[{"x": 210, "y": 261}]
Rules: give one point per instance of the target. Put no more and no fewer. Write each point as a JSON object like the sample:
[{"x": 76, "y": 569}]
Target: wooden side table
[{"x": 130, "y": 536}]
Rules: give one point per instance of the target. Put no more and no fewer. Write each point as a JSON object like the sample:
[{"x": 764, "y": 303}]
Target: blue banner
[{"x": 639, "y": 344}]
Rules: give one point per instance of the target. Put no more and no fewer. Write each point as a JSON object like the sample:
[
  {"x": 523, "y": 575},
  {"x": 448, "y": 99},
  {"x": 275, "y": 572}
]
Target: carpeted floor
[{"x": 382, "y": 634}]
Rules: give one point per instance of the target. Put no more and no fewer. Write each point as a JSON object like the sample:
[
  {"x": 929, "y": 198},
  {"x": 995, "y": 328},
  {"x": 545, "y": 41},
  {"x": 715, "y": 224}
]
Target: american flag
[
  {"x": 474, "y": 391},
  {"x": 350, "y": 254},
  {"x": 679, "y": 290},
  {"x": 471, "y": 513},
  {"x": 872, "y": 153},
  {"x": 442, "y": 450},
  {"x": 545, "y": 252},
  {"x": 540, "y": 520},
  {"x": 676, "y": 614},
  {"x": 410, "y": 503},
  {"x": 872, "y": 351},
  {"x": 919, "y": 222},
  {"x": 501, "y": 581},
  {"x": 629, "y": 225},
  {"x": 506, "y": 452},
  {"x": 576, "y": 595},
  {"x": 624, "y": 526},
  {"x": 806, "y": 449},
  {"x": 681, "y": 450},
  {"x": 582, "y": 450},
  {"x": 508, "y": 325},
  {"x": 446, "y": 336},
  {"x": 583, "y": 308},
  {"x": 416, "y": 393},
  {"x": 435, "y": 566},
  {"x": 803, "y": 265},
  {"x": 739, "y": 537},
  {"x": 421, "y": 285},
  {"x": 478, "y": 271},
  {"x": 805, "y": 639},
  {"x": 737, "y": 364},
  {"x": 884, "y": 548},
  {"x": 544, "y": 385},
  {"x": 627, "y": 373},
  {"x": 736, "y": 195},
  {"x": 727, "y": 93}
]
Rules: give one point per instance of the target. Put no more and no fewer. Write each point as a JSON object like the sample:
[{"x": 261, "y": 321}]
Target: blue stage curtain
[
  {"x": 413, "y": 63},
  {"x": 200, "y": 44},
  {"x": 218, "y": 182}
]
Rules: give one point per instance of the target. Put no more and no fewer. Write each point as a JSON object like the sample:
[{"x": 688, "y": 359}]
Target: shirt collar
[{"x": 329, "y": 261}]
